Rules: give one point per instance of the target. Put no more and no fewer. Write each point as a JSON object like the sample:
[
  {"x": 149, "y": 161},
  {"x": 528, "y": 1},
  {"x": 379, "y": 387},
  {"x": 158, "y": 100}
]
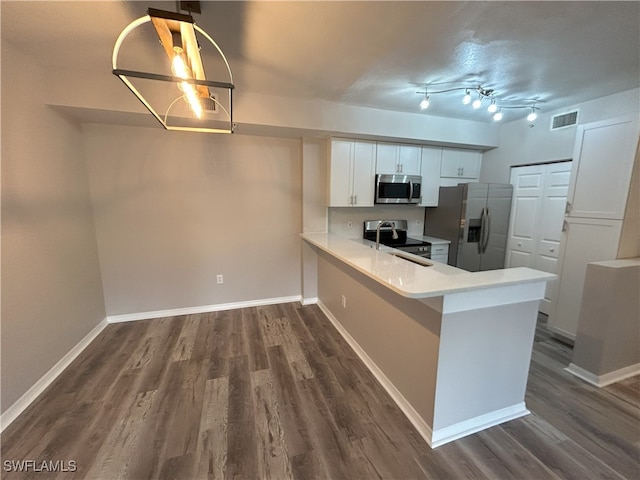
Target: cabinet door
[
  {"x": 585, "y": 240},
  {"x": 340, "y": 175},
  {"x": 470, "y": 164},
  {"x": 409, "y": 159},
  {"x": 450, "y": 163},
  {"x": 602, "y": 163},
  {"x": 364, "y": 161},
  {"x": 430, "y": 172},
  {"x": 387, "y": 158}
]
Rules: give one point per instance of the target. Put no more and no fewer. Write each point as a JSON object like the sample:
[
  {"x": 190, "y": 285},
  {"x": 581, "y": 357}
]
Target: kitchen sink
[{"x": 417, "y": 260}]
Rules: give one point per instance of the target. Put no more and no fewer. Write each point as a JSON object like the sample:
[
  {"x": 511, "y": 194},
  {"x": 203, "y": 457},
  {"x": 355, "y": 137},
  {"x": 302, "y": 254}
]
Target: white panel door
[
  {"x": 528, "y": 187},
  {"x": 539, "y": 199},
  {"x": 585, "y": 240},
  {"x": 556, "y": 186},
  {"x": 602, "y": 162}
]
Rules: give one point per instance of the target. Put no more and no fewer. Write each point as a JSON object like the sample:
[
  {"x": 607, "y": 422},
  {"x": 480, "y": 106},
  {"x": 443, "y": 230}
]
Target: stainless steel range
[{"x": 402, "y": 242}]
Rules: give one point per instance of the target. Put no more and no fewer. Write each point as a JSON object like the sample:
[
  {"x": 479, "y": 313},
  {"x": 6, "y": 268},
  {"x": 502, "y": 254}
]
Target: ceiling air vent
[
  {"x": 564, "y": 120},
  {"x": 210, "y": 105}
]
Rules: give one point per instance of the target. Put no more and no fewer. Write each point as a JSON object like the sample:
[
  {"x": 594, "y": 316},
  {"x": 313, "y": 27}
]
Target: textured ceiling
[{"x": 376, "y": 54}]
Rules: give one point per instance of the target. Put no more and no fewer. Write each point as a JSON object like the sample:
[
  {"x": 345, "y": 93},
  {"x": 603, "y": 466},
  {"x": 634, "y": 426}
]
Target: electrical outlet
[
  {"x": 219, "y": 279},
  {"x": 344, "y": 301},
  {"x": 349, "y": 224}
]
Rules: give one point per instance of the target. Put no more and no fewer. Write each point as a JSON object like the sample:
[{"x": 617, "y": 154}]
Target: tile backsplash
[{"x": 339, "y": 218}]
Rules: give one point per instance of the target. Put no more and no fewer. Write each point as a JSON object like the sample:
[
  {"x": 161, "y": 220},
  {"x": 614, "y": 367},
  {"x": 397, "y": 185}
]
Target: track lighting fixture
[{"x": 495, "y": 107}]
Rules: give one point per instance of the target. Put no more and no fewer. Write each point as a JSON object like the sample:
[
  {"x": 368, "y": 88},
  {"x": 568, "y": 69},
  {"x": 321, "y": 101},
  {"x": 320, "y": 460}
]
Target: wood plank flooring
[{"x": 275, "y": 393}]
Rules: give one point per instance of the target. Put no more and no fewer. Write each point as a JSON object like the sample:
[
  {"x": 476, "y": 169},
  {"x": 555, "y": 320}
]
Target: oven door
[
  {"x": 398, "y": 188},
  {"x": 421, "y": 251}
]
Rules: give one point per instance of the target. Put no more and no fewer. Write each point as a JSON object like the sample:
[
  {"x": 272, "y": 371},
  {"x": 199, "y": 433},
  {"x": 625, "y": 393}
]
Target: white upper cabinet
[
  {"x": 393, "y": 158},
  {"x": 463, "y": 164},
  {"x": 409, "y": 159},
  {"x": 351, "y": 173},
  {"x": 430, "y": 172},
  {"x": 602, "y": 164}
]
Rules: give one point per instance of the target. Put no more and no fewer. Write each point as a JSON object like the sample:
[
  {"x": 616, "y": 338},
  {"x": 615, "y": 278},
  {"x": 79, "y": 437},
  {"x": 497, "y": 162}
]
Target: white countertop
[
  {"x": 431, "y": 240},
  {"x": 416, "y": 281}
]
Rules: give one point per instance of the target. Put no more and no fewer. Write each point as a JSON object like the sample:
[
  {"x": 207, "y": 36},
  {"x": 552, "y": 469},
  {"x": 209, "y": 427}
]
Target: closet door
[
  {"x": 527, "y": 199},
  {"x": 537, "y": 212}
]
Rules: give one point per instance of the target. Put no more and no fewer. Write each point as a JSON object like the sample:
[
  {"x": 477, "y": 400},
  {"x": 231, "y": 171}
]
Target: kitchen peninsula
[{"x": 451, "y": 347}]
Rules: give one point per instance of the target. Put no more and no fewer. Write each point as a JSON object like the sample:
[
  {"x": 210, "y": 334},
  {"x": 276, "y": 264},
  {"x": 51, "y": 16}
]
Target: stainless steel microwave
[{"x": 398, "y": 188}]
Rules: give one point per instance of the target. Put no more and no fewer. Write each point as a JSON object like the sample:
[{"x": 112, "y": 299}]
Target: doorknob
[
  {"x": 552, "y": 249},
  {"x": 519, "y": 244}
]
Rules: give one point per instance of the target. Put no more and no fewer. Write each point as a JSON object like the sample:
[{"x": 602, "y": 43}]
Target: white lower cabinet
[
  {"x": 440, "y": 253},
  {"x": 351, "y": 173}
]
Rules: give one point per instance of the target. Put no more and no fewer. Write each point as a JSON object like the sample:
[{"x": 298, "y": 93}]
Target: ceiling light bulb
[
  {"x": 424, "y": 104},
  {"x": 477, "y": 103},
  {"x": 179, "y": 67},
  {"x": 497, "y": 116},
  {"x": 191, "y": 96},
  {"x": 532, "y": 116},
  {"x": 466, "y": 100},
  {"x": 493, "y": 107}
]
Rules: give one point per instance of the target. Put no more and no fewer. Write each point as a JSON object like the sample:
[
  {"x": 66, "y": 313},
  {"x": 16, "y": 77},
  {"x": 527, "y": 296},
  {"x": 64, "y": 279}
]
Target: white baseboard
[
  {"x": 30, "y": 395},
  {"x": 132, "y": 317},
  {"x": 476, "y": 424},
  {"x": 606, "y": 379},
  {"x": 309, "y": 301},
  {"x": 414, "y": 417}
]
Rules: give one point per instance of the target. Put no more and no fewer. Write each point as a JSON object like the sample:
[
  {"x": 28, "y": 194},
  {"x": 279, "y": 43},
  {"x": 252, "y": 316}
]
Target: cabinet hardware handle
[
  {"x": 355, "y": 199},
  {"x": 564, "y": 226},
  {"x": 568, "y": 208}
]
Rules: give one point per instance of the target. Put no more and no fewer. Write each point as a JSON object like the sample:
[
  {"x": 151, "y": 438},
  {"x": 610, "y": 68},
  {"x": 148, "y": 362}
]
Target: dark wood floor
[{"x": 275, "y": 392}]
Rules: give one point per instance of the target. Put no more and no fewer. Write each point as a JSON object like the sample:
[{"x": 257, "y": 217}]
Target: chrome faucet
[{"x": 394, "y": 234}]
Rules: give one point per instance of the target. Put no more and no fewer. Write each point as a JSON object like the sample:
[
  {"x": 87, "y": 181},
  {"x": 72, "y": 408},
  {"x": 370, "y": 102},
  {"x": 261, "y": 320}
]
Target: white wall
[
  {"x": 175, "y": 209},
  {"x": 105, "y": 99},
  {"x": 519, "y": 144},
  {"x": 51, "y": 286}
]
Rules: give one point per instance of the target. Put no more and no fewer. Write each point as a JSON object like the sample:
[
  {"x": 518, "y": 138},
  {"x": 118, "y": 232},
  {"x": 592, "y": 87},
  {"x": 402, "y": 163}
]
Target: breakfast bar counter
[{"x": 451, "y": 347}]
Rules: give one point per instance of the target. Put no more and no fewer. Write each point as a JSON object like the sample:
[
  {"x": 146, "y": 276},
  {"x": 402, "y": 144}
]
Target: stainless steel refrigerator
[{"x": 475, "y": 218}]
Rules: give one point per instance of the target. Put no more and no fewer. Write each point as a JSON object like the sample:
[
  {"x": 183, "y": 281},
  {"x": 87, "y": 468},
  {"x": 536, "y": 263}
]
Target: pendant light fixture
[{"x": 179, "y": 94}]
